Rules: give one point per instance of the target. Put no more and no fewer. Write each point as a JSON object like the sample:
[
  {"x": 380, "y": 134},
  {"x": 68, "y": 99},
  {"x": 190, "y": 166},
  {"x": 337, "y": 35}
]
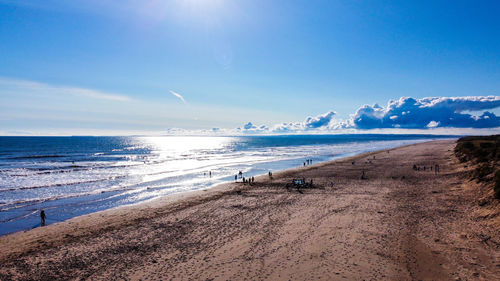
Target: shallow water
[{"x": 72, "y": 176}]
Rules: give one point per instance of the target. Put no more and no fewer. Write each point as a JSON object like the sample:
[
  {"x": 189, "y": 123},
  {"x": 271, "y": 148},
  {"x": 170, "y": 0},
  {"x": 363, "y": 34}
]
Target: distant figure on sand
[
  {"x": 235, "y": 177},
  {"x": 210, "y": 173},
  {"x": 42, "y": 217},
  {"x": 436, "y": 169},
  {"x": 253, "y": 179},
  {"x": 270, "y": 175}
]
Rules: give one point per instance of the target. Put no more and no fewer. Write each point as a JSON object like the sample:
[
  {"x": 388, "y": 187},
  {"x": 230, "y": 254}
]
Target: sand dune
[{"x": 396, "y": 224}]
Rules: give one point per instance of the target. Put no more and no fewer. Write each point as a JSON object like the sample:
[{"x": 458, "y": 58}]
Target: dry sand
[{"x": 397, "y": 224}]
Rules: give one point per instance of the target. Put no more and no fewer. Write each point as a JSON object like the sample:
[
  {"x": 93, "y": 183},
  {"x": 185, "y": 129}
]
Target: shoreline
[
  {"x": 174, "y": 200},
  {"x": 183, "y": 194},
  {"x": 187, "y": 195},
  {"x": 220, "y": 234}
]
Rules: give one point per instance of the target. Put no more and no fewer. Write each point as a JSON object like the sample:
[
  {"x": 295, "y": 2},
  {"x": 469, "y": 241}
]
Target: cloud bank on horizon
[{"x": 405, "y": 113}]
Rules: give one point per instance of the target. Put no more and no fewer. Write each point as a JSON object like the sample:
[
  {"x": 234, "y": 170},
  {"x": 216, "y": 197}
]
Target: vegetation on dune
[
  {"x": 497, "y": 184},
  {"x": 484, "y": 152}
]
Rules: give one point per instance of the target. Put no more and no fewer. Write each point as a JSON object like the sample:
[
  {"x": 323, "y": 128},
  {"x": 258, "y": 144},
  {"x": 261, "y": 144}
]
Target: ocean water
[{"x": 72, "y": 176}]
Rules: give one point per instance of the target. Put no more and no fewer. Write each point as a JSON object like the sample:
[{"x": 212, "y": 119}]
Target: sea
[{"x": 73, "y": 176}]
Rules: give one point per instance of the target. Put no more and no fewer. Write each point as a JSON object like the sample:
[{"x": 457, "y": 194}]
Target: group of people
[
  {"x": 300, "y": 183},
  {"x": 240, "y": 175},
  {"x": 308, "y": 162},
  {"x": 424, "y": 168},
  {"x": 249, "y": 180},
  {"x": 244, "y": 180}
]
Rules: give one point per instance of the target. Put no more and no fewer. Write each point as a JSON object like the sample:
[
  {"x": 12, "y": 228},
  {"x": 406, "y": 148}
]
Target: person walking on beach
[
  {"x": 42, "y": 217},
  {"x": 235, "y": 178}
]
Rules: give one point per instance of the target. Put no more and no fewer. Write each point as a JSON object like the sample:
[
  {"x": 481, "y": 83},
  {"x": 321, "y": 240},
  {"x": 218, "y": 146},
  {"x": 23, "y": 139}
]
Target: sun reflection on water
[{"x": 176, "y": 145}]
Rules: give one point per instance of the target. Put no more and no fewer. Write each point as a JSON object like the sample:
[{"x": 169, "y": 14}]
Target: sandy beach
[{"x": 394, "y": 224}]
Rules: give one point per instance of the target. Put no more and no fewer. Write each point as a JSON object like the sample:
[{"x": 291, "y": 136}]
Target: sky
[{"x": 107, "y": 67}]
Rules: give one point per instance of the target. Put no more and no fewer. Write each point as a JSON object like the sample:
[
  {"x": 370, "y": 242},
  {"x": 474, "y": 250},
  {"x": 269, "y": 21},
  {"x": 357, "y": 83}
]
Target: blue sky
[{"x": 109, "y": 66}]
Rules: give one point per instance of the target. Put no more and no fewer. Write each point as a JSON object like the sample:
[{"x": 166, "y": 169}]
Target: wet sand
[{"x": 396, "y": 224}]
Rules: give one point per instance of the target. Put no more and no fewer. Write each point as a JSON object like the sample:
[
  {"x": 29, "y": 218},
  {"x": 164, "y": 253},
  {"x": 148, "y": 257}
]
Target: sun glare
[{"x": 205, "y": 5}]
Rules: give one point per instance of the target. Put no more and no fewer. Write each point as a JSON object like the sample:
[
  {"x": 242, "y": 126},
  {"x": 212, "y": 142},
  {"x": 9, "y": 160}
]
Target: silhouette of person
[
  {"x": 42, "y": 217},
  {"x": 235, "y": 177}
]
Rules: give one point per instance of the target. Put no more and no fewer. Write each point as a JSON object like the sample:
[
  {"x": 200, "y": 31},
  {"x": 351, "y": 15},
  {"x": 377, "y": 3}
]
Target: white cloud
[
  {"x": 432, "y": 124},
  {"x": 405, "y": 113},
  {"x": 320, "y": 122},
  {"x": 179, "y": 96},
  {"x": 435, "y": 111},
  {"x": 252, "y": 129},
  {"x": 37, "y": 88}
]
